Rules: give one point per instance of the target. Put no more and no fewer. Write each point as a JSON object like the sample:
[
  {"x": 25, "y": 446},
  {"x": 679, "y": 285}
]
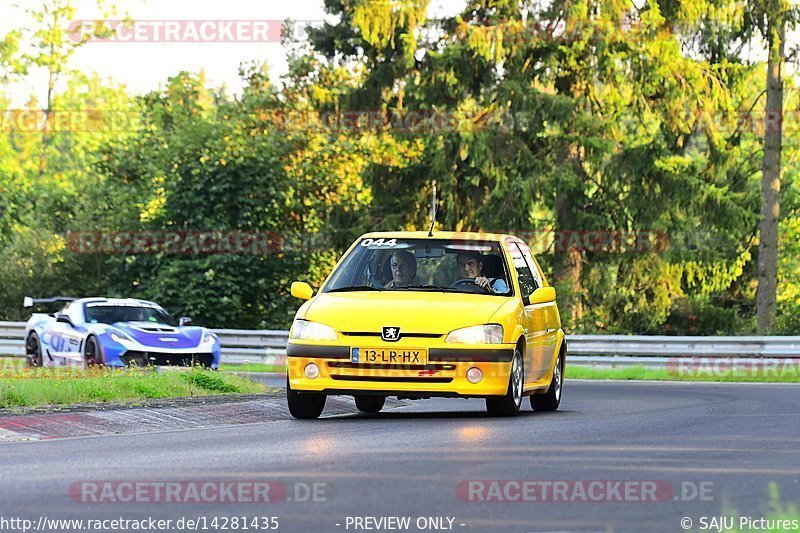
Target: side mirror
[
  {"x": 302, "y": 290},
  {"x": 184, "y": 321},
  {"x": 64, "y": 319},
  {"x": 542, "y": 295}
]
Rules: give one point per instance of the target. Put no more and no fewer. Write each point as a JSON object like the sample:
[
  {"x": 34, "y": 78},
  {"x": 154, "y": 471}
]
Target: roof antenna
[{"x": 433, "y": 209}]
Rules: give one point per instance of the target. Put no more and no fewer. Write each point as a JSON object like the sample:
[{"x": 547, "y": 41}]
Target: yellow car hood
[{"x": 413, "y": 311}]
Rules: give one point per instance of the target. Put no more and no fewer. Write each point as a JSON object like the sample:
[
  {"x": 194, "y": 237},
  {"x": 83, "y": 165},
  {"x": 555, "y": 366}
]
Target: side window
[
  {"x": 73, "y": 311},
  {"x": 527, "y": 283},
  {"x": 537, "y": 276}
]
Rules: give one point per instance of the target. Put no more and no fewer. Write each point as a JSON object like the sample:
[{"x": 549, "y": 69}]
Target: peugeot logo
[
  {"x": 168, "y": 339},
  {"x": 390, "y": 333}
]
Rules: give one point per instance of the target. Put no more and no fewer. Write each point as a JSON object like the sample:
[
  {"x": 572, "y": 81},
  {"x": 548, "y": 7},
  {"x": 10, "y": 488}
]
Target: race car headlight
[
  {"x": 209, "y": 338},
  {"x": 484, "y": 334},
  {"x": 120, "y": 338},
  {"x": 312, "y": 331}
]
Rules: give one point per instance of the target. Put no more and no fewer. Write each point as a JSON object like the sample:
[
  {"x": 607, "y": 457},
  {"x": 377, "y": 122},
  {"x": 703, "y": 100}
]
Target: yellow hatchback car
[{"x": 416, "y": 315}]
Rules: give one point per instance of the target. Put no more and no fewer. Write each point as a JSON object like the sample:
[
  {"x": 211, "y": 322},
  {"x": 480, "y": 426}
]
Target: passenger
[
  {"x": 470, "y": 266},
  {"x": 404, "y": 269}
]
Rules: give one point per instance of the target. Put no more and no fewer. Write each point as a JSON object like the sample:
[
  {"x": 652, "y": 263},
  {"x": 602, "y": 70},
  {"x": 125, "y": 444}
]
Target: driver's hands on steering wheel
[
  {"x": 473, "y": 282},
  {"x": 483, "y": 281}
]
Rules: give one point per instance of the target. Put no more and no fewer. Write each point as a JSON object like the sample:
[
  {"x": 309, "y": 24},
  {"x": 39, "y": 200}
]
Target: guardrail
[
  {"x": 11, "y": 338},
  {"x": 269, "y": 346},
  {"x": 666, "y": 346}
]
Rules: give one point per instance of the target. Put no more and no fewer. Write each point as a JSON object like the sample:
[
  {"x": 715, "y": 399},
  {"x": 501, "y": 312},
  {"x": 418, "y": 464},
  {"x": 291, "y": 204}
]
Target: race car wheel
[
  {"x": 92, "y": 356},
  {"x": 509, "y": 404},
  {"x": 304, "y": 406},
  {"x": 33, "y": 351},
  {"x": 370, "y": 404},
  {"x": 550, "y": 400}
]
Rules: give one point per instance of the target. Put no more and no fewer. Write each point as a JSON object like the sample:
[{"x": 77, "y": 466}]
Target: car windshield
[
  {"x": 436, "y": 265},
  {"x": 109, "y": 314}
]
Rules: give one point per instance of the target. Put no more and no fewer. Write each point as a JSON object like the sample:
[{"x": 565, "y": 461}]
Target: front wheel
[
  {"x": 370, "y": 404},
  {"x": 550, "y": 400},
  {"x": 509, "y": 404},
  {"x": 304, "y": 406},
  {"x": 92, "y": 355}
]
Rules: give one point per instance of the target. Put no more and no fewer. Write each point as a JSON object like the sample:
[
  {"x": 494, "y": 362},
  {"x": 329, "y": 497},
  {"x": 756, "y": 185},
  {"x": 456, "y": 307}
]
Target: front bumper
[
  {"x": 142, "y": 359},
  {"x": 130, "y": 352},
  {"x": 445, "y": 374}
]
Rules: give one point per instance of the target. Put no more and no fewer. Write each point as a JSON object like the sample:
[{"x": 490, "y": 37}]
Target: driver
[
  {"x": 470, "y": 265},
  {"x": 404, "y": 269}
]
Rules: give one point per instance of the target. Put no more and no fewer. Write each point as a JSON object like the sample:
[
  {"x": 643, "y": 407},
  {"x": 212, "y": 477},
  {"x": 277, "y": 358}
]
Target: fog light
[
  {"x": 474, "y": 375},
  {"x": 312, "y": 371}
]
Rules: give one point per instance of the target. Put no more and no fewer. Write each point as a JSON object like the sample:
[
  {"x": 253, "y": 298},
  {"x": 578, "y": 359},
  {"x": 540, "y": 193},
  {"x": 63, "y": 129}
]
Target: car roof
[
  {"x": 134, "y": 302},
  {"x": 450, "y": 235}
]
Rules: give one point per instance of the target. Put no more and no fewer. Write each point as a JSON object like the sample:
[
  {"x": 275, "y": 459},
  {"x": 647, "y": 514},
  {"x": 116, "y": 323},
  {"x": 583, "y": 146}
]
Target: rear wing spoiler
[{"x": 30, "y": 302}]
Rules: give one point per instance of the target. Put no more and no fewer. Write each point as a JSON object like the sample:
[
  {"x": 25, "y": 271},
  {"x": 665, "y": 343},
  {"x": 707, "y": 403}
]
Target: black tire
[
  {"x": 33, "y": 351},
  {"x": 304, "y": 406},
  {"x": 92, "y": 354},
  {"x": 509, "y": 404},
  {"x": 370, "y": 404},
  {"x": 550, "y": 400}
]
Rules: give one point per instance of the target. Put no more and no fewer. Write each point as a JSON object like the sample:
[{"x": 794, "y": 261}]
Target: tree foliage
[{"x": 560, "y": 119}]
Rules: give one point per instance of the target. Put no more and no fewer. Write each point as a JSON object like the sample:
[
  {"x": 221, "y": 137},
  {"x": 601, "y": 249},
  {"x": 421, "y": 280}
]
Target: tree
[
  {"x": 606, "y": 134},
  {"x": 772, "y": 18},
  {"x": 54, "y": 40},
  {"x": 43, "y": 202}
]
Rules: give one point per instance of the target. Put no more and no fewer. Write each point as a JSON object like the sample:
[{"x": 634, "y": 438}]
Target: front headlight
[
  {"x": 485, "y": 334},
  {"x": 312, "y": 331},
  {"x": 120, "y": 338},
  {"x": 209, "y": 338}
]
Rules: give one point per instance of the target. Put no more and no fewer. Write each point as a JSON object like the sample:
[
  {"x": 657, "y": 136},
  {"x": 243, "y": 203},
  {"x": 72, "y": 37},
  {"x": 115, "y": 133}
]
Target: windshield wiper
[
  {"x": 427, "y": 288},
  {"x": 355, "y": 288}
]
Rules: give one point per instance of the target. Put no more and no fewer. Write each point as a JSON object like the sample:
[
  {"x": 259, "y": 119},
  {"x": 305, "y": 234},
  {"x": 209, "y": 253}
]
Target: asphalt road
[{"x": 707, "y": 449}]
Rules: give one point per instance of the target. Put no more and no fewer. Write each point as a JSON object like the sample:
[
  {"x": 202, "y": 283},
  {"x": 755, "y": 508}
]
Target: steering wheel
[{"x": 470, "y": 283}]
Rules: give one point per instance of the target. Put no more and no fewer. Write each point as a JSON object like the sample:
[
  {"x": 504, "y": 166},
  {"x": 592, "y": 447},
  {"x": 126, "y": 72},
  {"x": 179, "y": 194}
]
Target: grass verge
[
  {"x": 38, "y": 387},
  {"x": 731, "y": 375},
  {"x": 253, "y": 367}
]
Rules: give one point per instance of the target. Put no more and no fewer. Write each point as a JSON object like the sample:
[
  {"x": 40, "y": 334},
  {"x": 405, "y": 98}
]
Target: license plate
[{"x": 400, "y": 356}]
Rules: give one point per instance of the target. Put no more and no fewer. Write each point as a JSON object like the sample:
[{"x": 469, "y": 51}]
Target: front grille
[
  {"x": 391, "y": 379},
  {"x": 381, "y": 366},
  {"x": 142, "y": 359},
  {"x": 403, "y": 334}
]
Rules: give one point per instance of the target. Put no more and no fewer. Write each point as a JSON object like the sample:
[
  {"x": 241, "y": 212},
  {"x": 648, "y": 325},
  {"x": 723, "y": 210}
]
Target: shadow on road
[{"x": 440, "y": 415}]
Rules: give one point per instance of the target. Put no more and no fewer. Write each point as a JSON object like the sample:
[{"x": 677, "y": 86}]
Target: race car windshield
[
  {"x": 110, "y": 314},
  {"x": 433, "y": 265}
]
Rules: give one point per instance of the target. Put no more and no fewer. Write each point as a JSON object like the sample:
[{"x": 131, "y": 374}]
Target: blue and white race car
[{"x": 115, "y": 333}]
